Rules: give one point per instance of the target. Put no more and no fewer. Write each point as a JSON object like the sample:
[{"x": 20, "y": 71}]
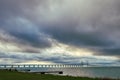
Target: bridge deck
[{"x": 15, "y": 66}]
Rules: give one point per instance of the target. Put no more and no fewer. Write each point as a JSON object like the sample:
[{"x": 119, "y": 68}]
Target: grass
[{"x": 14, "y": 75}]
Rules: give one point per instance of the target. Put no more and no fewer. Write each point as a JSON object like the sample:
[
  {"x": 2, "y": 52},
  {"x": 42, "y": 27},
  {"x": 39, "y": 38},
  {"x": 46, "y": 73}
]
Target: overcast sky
[{"x": 59, "y": 31}]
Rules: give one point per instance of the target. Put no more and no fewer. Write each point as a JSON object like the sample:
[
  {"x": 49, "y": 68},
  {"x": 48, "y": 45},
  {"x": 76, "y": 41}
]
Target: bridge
[{"x": 9, "y": 66}]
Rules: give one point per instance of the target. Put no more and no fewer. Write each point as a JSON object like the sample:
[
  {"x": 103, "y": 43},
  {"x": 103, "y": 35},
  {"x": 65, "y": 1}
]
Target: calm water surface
[{"x": 104, "y": 72}]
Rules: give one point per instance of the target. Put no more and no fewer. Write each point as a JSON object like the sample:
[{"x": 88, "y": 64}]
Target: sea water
[{"x": 100, "y": 72}]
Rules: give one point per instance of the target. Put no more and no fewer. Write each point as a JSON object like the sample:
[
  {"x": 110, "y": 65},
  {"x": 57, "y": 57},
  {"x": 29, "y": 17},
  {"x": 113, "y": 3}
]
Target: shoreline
[{"x": 6, "y": 75}]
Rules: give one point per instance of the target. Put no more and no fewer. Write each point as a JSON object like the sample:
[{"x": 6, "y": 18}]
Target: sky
[{"x": 59, "y": 31}]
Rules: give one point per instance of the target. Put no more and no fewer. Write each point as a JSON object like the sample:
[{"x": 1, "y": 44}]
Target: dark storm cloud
[
  {"x": 81, "y": 23},
  {"x": 94, "y": 25},
  {"x": 22, "y": 46},
  {"x": 26, "y": 36},
  {"x": 31, "y": 37},
  {"x": 109, "y": 51},
  {"x": 79, "y": 39},
  {"x": 13, "y": 22}
]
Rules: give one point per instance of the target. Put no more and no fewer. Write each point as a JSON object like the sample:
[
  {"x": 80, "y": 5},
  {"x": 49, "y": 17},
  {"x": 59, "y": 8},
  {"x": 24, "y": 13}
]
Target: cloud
[
  {"x": 109, "y": 51},
  {"x": 59, "y": 59},
  {"x": 26, "y": 32},
  {"x": 32, "y": 26},
  {"x": 94, "y": 24},
  {"x": 72, "y": 37},
  {"x": 16, "y": 25},
  {"x": 10, "y": 43}
]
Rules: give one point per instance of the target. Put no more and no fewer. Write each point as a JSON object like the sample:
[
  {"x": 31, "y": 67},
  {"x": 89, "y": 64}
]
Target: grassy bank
[{"x": 14, "y": 75}]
